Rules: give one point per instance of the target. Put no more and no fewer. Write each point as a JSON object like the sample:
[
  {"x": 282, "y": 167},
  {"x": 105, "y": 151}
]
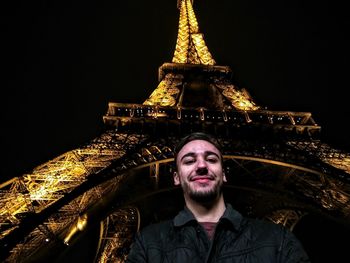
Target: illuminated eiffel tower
[{"x": 277, "y": 167}]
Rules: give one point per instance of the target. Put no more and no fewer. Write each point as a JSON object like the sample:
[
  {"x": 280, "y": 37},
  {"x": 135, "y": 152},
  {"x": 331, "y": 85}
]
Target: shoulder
[
  {"x": 264, "y": 224},
  {"x": 157, "y": 231},
  {"x": 263, "y": 229},
  {"x": 276, "y": 235},
  {"x": 163, "y": 225}
]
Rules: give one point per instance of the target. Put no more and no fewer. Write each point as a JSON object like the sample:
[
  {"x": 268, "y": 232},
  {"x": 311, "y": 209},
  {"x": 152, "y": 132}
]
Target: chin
[{"x": 204, "y": 196}]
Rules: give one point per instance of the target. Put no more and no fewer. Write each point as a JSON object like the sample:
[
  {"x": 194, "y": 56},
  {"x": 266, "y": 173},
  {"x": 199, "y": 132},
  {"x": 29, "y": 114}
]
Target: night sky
[{"x": 65, "y": 60}]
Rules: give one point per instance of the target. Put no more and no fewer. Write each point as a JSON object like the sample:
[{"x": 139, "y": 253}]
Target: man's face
[{"x": 199, "y": 171}]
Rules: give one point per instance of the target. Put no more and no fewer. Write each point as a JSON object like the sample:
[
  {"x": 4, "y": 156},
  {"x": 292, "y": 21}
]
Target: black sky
[{"x": 65, "y": 60}]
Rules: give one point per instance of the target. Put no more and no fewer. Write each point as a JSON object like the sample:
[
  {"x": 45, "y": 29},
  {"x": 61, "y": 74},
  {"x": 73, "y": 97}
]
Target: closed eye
[
  {"x": 212, "y": 160},
  {"x": 188, "y": 161}
]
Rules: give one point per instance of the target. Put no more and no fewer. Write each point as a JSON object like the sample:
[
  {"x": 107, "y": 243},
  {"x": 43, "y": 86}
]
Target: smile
[{"x": 202, "y": 179}]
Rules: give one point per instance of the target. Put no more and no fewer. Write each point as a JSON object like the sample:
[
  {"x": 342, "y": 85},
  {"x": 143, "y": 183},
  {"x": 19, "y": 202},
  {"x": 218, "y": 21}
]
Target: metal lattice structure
[{"x": 277, "y": 167}]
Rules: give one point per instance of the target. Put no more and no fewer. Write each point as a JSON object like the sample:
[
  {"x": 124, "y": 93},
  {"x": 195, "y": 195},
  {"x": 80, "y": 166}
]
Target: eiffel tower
[{"x": 277, "y": 166}]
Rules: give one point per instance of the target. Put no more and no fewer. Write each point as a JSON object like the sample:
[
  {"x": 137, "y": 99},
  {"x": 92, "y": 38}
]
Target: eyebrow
[{"x": 206, "y": 153}]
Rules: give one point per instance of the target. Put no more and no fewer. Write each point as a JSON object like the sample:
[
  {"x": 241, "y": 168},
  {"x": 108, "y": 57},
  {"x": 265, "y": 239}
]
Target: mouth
[{"x": 201, "y": 179}]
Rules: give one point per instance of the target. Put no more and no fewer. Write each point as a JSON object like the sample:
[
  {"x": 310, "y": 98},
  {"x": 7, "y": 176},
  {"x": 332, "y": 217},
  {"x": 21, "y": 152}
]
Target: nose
[{"x": 202, "y": 168}]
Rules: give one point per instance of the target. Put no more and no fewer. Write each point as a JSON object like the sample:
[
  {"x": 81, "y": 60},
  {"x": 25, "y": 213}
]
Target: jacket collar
[{"x": 230, "y": 215}]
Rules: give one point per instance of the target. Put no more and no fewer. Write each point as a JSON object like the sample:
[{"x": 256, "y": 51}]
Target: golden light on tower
[
  {"x": 79, "y": 226},
  {"x": 190, "y": 45}
]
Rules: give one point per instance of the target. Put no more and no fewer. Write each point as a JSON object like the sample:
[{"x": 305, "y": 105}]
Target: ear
[
  {"x": 224, "y": 176},
  {"x": 176, "y": 178}
]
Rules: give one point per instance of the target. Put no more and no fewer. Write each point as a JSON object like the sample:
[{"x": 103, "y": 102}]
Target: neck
[{"x": 208, "y": 212}]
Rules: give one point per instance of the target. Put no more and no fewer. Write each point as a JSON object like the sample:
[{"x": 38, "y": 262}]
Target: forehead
[{"x": 198, "y": 146}]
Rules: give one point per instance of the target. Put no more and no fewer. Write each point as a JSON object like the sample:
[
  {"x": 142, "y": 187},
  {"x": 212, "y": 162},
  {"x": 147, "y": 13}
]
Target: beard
[{"x": 204, "y": 196}]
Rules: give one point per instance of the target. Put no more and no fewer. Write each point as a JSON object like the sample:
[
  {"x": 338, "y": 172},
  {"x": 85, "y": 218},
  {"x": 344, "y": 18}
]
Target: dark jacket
[{"x": 236, "y": 239}]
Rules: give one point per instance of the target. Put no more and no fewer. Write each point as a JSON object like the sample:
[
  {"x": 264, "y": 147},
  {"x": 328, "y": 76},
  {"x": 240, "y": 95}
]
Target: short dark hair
[{"x": 196, "y": 136}]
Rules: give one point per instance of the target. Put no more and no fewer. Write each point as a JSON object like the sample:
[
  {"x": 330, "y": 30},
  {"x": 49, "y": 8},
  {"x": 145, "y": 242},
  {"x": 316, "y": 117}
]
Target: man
[{"x": 208, "y": 229}]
